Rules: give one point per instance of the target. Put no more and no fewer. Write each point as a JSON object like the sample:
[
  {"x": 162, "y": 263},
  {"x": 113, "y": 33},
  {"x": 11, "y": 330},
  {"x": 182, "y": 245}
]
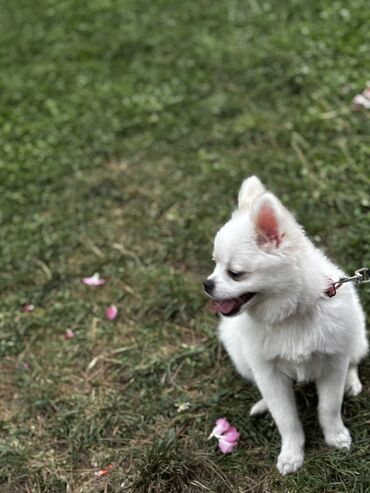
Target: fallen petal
[
  {"x": 68, "y": 334},
  {"x": 94, "y": 280},
  {"x": 222, "y": 425},
  {"x": 232, "y": 435},
  {"x": 111, "y": 312},
  {"x": 361, "y": 101},
  {"x": 105, "y": 471},
  {"x": 226, "y": 447},
  {"x": 28, "y": 308}
]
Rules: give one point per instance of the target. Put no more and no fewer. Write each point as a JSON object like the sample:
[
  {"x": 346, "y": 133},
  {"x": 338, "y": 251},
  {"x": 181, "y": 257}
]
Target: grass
[{"x": 126, "y": 129}]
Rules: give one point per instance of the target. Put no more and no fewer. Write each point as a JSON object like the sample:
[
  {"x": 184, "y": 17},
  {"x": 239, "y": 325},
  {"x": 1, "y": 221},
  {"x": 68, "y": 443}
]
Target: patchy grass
[{"x": 126, "y": 129}]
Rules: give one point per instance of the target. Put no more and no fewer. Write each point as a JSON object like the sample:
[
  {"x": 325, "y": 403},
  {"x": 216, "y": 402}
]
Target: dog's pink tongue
[{"x": 222, "y": 306}]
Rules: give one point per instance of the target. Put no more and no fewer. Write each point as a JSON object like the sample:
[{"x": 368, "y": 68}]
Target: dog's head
[{"x": 255, "y": 255}]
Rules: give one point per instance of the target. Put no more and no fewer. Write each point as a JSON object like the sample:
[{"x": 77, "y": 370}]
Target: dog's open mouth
[{"x": 231, "y": 306}]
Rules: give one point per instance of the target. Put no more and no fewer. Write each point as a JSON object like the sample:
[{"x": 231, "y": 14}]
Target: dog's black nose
[{"x": 208, "y": 285}]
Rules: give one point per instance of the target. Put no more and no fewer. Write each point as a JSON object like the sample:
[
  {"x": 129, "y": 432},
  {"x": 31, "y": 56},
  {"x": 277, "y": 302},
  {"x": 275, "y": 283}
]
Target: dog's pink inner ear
[{"x": 267, "y": 226}]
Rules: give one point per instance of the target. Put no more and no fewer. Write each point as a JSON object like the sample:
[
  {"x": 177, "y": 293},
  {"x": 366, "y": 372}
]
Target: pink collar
[
  {"x": 359, "y": 277},
  {"x": 332, "y": 288}
]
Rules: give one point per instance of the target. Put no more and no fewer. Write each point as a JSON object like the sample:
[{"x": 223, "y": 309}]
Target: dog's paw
[
  {"x": 259, "y": 407},
  {"x": 339, "y": 439},
  {"x": 355, "y": 389},
  {"x": 353, "y": 384},
  {"x": 289, "y": 463}
]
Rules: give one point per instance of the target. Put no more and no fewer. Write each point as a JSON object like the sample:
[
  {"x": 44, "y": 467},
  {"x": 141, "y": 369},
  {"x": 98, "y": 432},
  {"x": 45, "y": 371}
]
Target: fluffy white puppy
[{"x": 278, "y": 323}]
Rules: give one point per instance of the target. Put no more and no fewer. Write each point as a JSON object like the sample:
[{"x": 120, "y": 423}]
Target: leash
[{"x": 361, "y": 276}]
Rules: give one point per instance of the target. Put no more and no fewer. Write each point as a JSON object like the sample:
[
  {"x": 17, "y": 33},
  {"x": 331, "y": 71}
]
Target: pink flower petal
[
  {"x": 222, "y": 425},
  {"x": 94, "y": 280},
  {"x": 226, "y": 434},
  {"x": 104, "y": 472},
  {"x": 361, "y": 101},
  {"x": 232, "y": 435},
  {"x": 111, "y": 312},
  {"x": 26, "y": 365},
  {"x": 28, "y": 308},
  {"x": 226, "y": 447},
  {"x": 68, "y": 334}
]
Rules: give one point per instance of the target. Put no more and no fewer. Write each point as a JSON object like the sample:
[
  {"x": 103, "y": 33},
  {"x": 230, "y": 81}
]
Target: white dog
[{"x": 278, "y": 323}]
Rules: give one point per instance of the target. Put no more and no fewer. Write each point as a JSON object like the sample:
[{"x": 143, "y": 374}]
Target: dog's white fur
[{"x": 290, "y": 330}]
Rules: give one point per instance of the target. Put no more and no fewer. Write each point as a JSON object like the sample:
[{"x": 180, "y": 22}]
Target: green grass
[{"x": 126, "y": 129}]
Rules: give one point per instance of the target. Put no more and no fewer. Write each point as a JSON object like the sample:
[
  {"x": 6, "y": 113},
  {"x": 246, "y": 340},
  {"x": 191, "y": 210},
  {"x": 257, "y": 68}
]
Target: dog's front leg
[
  {"x": 330, "y": 389},
  {"x": 277, "y": 391}
]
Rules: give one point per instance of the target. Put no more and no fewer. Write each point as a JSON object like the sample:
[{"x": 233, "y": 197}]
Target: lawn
[{"x": 127, "y": 127}]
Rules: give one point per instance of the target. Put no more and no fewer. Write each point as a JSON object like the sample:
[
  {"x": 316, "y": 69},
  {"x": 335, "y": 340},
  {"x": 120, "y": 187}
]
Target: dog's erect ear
[
  {"x": 267, "y": 217},
  {"x": 251, "y": 189}
]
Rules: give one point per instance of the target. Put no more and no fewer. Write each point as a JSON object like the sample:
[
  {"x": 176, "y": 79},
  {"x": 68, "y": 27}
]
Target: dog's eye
[{"x": 235, "y": 275}]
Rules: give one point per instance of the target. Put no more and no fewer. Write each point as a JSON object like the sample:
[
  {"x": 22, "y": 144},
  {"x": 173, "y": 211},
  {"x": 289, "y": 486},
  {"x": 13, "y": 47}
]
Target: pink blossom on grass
[
  {"x": 104, "y": 472},
  {"x": 362, "y": 100},
  {"x": 94, "y": 280},
  {"x": 226, "y": 434},
  {"x": 222, "y": 425},
  {"x": 111, "y": 312},
  {"x": 68, "y": 334},
  {"x": 28, "y": 308},
  {"x": 229, "y": 440}
]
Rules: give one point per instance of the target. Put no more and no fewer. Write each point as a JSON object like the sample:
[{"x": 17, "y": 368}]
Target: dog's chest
[
  {"x": 299, "y": 350},
  {"x": 300, "y": 340},
  {"x": 305, "y": 370},
  {"x": 298, "y": 354}
]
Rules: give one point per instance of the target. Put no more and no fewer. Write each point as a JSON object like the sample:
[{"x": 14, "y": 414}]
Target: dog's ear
[
  {"x": 267, "y": 218},
  {"x": 251, "y": 189}
]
